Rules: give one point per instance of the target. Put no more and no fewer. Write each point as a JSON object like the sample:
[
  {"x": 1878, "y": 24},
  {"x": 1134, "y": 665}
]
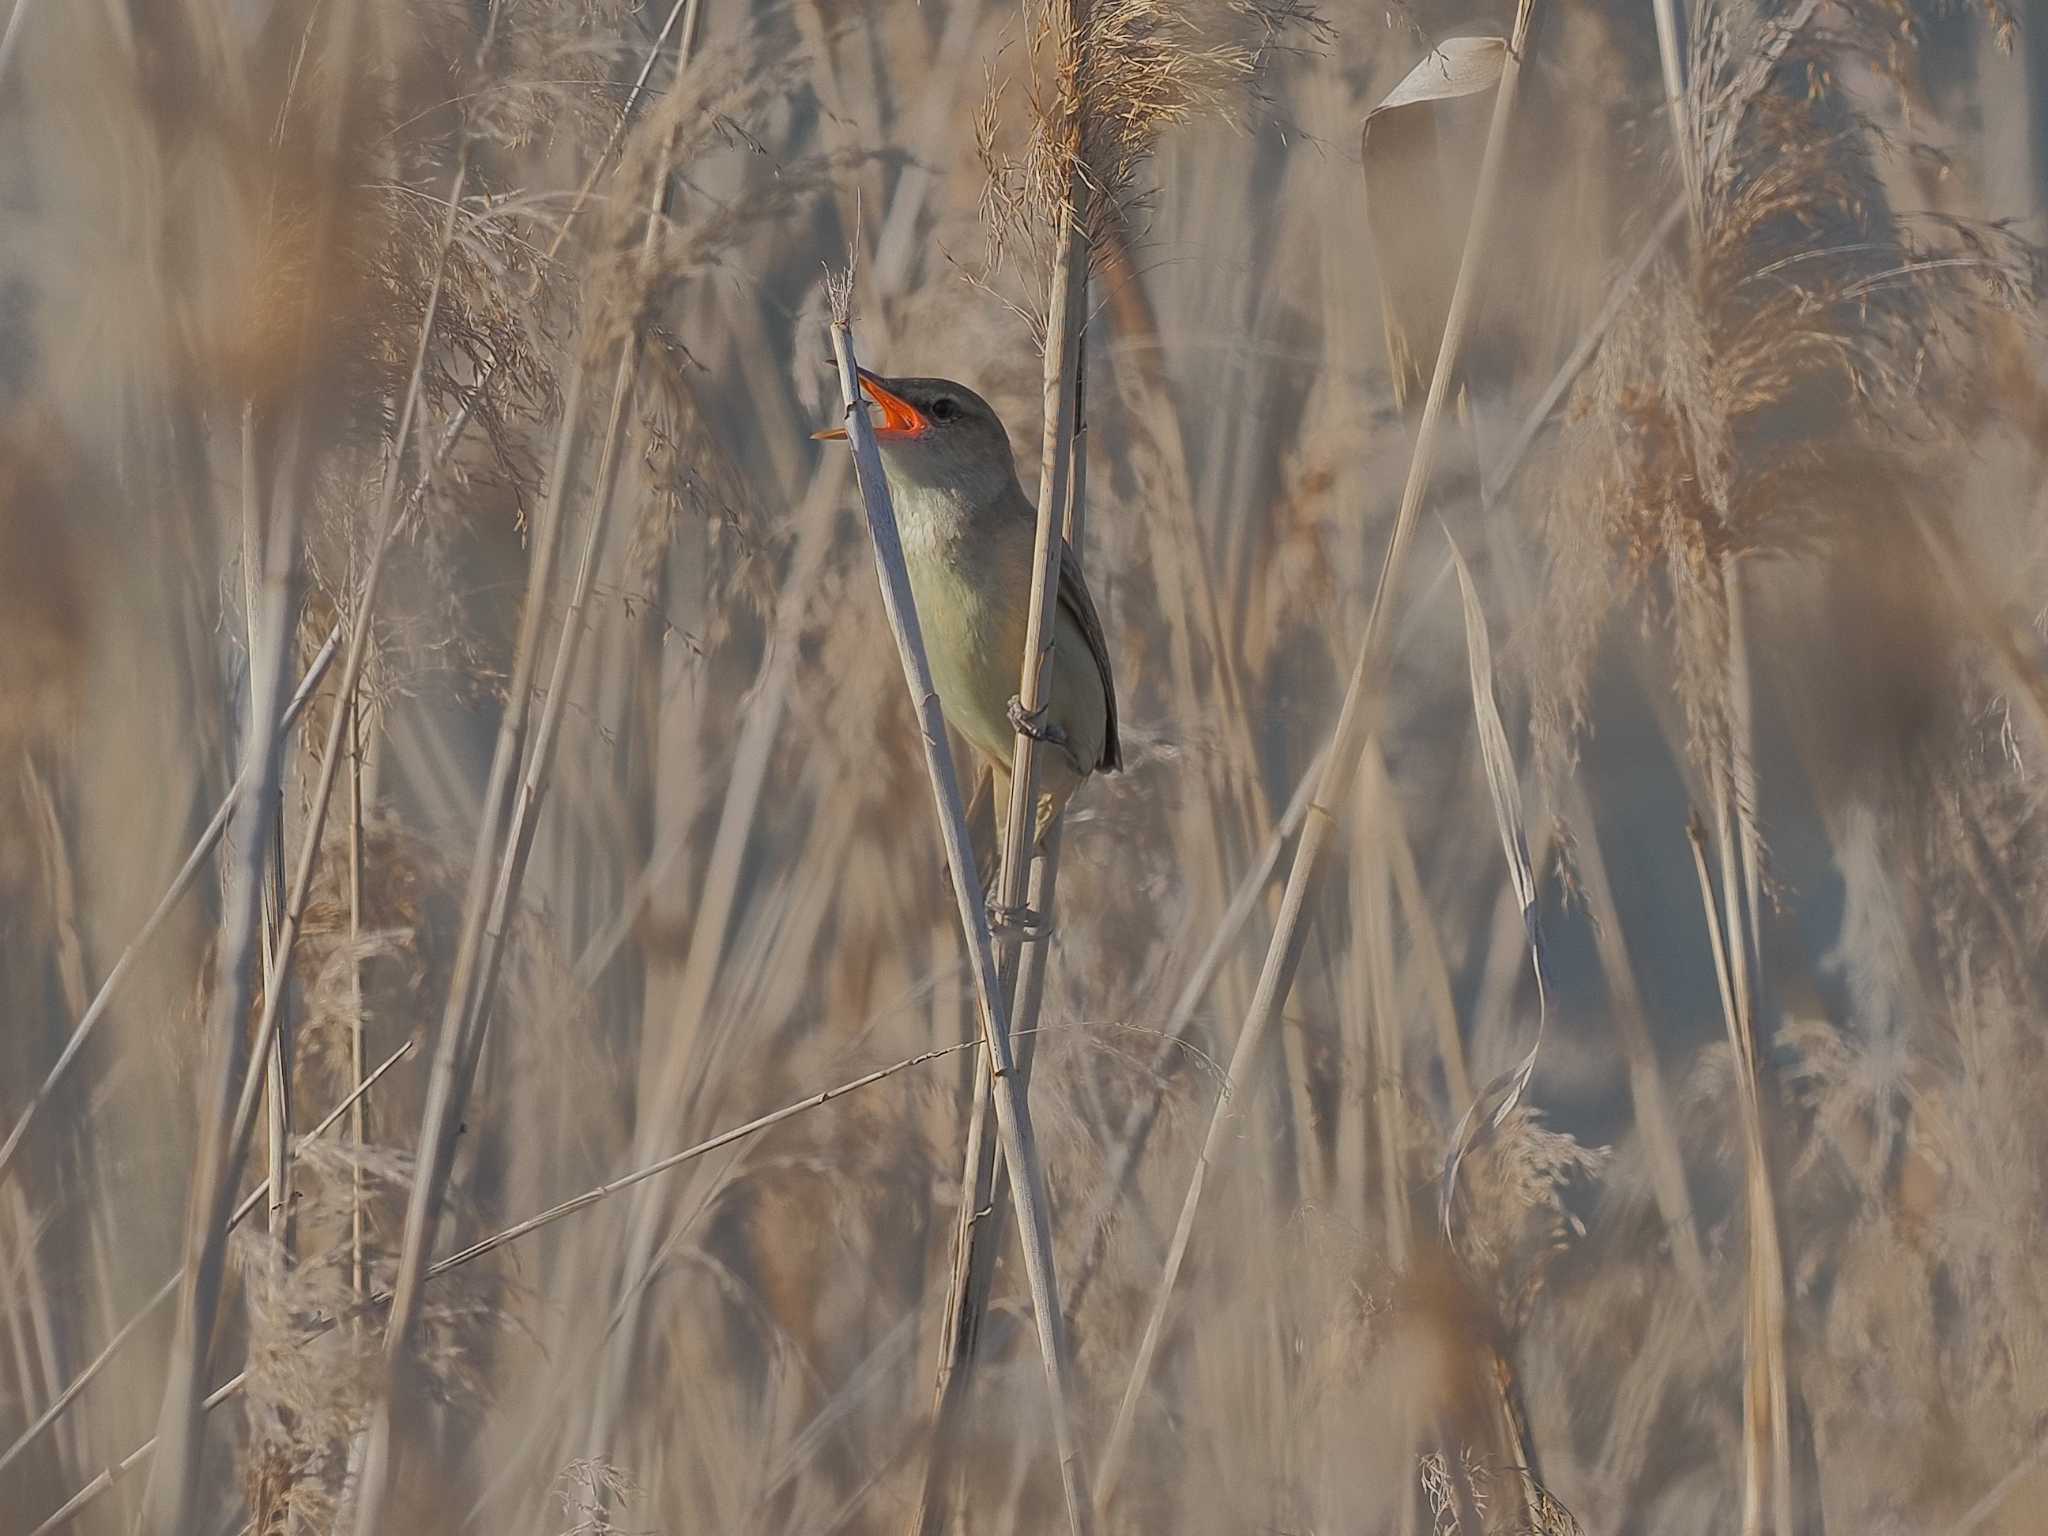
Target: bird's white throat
[{"x": 933, "y": 520}]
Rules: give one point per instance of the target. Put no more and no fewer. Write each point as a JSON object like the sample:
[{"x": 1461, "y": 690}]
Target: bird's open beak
[{"x": 900, "y": 419}]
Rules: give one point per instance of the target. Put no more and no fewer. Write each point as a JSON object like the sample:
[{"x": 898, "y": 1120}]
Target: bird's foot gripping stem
[
  {"x": 1031, "y": 722},
  {"x": 1018, "y": 920}
]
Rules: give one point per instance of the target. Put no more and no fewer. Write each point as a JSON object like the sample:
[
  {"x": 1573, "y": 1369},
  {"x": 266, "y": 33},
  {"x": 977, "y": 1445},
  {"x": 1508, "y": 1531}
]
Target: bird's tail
[
  {"x": 983, "y": 836},
  {"x": 986, "y": 808}
]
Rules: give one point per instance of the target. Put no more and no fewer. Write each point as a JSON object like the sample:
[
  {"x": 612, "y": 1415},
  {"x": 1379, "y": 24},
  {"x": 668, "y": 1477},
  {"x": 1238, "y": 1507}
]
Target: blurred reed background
[{"x": 400, "y": 342}]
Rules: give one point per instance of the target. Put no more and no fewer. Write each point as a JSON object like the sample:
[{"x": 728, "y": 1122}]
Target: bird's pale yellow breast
[
  {"x": 970, "y": 572},
  {"x": 974, "y": 636}
]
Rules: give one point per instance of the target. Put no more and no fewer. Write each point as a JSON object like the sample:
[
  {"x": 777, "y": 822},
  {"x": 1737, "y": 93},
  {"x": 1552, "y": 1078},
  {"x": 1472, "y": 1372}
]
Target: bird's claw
[
  {"x": 1031, "y": 722},
  {"x": 1019, "y": 920}
]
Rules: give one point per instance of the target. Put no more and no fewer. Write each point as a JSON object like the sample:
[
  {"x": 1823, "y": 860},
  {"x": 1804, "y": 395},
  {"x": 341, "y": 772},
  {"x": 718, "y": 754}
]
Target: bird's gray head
[{"x": 935, "y": 435}]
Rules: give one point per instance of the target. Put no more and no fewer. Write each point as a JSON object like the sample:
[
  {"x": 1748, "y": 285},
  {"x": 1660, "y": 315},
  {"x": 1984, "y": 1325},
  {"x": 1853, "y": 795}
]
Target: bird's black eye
[{"x": 945, "y": 408}]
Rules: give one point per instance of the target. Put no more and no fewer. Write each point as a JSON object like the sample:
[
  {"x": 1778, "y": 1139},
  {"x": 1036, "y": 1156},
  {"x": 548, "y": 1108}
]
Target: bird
[{"x": 969, "y": 534}]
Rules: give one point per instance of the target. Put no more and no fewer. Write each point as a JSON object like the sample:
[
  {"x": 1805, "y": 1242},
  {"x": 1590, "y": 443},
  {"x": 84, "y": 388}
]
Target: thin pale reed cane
[
  {"x": 169, "y": 1288},
  {"x": 977, "y": 1241},
  {"x": 181, "y": 882},
  {"x": 1354, "y": 724},
  {"x": 170, "y": 1499},
  {"x": 1013, "y": 1122},
  {"x": 557, "y": 1212},
  {"x": 435, "y": 1146},
  {"x": 1066, "y": 313}
]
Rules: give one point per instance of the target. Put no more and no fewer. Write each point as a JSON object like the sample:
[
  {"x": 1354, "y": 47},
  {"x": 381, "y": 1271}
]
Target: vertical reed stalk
[
  {"x": 170, "y": 1501},
  {"x": 181, "y": 883},
  {"x": 1354, "y": 725},
  {"x": 978, "y": 1238},
  {"x": 10, "y": 36},
  {"x": 1429, "y": 951},
  {"x": 1672, "y": 58},
  {"x": 1013, "y": 1121},
  {"x": 358, "y": 1119},
  {"x": 170, "y": 1479},
  {"x": 1021, "y": 875},
  {"x": 1631, "y": 1019},
  {"x": 169, "y": 1288},
  {"x": 1766, "y": 1393},
  {"x": 1066, "y": 312},
  {"x": 466, "y": 1019},
  {"x": 525, "y": 815},
  {"x": 1766, "y": 1429},
  {"x": 277, "y": 1079},
  {"x": 444, "y": 1089},
  {"x": 17, "y": 1252},
  {"x": 1137, "y": 1126},
  {"x": 1045, "y": 867},
  {"x": 662, "y": 1096}
]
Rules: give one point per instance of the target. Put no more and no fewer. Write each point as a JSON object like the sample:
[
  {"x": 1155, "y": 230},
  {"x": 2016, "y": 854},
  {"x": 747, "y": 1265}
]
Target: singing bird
[{"x": 968, "y": 533}]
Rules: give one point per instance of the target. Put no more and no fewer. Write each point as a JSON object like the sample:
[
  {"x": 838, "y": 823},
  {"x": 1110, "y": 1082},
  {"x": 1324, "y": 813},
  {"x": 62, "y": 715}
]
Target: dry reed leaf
[
  {"x": 1416, "y": 218},
  {"x": 1500, "y": 1097}
]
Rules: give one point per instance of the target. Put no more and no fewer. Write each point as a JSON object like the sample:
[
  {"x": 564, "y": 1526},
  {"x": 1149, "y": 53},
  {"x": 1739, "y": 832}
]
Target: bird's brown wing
[{"x": 1073, "y": 596}]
